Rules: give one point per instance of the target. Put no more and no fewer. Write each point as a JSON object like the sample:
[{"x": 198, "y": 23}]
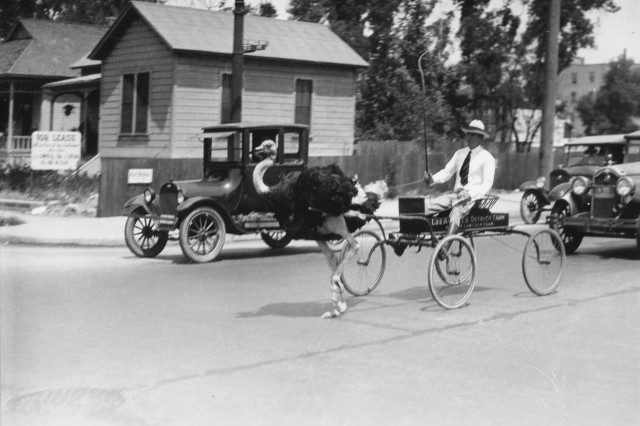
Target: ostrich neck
[{"x": 258, "y": 174}]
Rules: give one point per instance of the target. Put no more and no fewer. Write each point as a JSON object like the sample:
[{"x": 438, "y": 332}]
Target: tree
[{"x": 615, "y": 103}]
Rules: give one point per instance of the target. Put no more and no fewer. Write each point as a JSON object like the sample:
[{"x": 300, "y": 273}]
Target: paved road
[{"x": 99, "y": 337}]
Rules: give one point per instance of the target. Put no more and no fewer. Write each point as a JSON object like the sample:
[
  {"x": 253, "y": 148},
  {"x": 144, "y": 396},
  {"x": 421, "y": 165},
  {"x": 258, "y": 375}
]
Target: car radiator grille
[
  {"x": 603, "y": 207},
  {"x": 168, "y": 203}
]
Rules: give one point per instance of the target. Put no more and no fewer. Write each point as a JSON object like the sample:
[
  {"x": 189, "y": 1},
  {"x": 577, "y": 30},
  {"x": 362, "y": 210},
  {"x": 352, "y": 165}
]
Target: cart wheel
[
  {"x": 364, "y": 271},
  {"x": 542, "y": 261},
  {"x": 202, "y": 235},
  {"x": 455, "y": 250},
  {"x": 453, "y": 281}
]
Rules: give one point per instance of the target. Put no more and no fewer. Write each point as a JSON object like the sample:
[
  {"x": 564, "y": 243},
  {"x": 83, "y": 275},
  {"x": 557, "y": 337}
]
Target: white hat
[{"x": 476, "y": 126}]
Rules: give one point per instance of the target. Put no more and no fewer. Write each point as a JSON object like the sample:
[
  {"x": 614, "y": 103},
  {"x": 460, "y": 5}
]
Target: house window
[
  {"x": 592, "y": 77},
  {"x": 574, "y": 78},
  {"x": 304, "y": 89},
  {"x": 225, "y": 108},
  {"x": 574, "y": 97},
  {"x": 135, "y": 103}
]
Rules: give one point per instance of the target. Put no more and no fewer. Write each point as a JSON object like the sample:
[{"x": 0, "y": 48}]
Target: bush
[{"x": 47, "y": 184}]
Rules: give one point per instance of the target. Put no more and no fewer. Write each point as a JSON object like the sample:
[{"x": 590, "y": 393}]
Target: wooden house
[
  {"x": 166, "y": 73},
  {"x": 38, "y": 52}
]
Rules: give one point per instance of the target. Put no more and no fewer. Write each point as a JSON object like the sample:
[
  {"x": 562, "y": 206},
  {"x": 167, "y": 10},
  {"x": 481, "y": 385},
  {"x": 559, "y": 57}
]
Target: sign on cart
[{"x": 55, "y": 150}]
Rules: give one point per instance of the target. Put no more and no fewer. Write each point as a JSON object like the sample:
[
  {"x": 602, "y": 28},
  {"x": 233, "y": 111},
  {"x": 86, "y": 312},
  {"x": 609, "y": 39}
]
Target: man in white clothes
[{"x": 473, "y": 167}]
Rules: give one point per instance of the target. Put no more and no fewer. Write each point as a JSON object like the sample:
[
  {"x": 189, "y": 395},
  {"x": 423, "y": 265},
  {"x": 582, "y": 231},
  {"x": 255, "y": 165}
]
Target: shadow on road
[{"x": 295, "y": 310}]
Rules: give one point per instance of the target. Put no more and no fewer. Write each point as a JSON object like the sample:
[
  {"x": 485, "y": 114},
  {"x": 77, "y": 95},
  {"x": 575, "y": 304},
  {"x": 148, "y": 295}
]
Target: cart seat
[{"x": 414, "y": 206}]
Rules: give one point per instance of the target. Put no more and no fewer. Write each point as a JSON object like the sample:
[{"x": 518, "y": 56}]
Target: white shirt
[{"x": 482, "y": 167}]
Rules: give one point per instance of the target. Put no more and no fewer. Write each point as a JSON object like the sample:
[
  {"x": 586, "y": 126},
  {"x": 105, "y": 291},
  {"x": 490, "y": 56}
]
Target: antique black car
[
  {"x": 605, "y": 203},
  {"x": 224, "y": 200},
  {"x": 581, "y": 157}
]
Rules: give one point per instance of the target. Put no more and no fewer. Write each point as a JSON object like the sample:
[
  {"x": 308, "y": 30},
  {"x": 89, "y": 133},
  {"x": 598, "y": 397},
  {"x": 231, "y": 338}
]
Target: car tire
[
  {"x": 141, "y": 238},
  {"x": 571, "y": 239},
  {"x": 276, "y": 239},
  {"x": 530, "y": 206},
  {"x": 202, "y": 235}
]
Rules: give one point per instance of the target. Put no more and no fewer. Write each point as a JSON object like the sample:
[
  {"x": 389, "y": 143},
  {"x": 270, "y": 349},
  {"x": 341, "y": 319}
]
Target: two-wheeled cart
[{"x": 452, "y": 266}]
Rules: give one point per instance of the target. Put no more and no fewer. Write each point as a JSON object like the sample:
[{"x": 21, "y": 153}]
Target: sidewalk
[{"x": 109, "y": 231}]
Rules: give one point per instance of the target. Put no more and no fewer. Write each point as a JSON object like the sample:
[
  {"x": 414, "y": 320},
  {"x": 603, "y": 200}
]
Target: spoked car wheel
[
  {"x": 570, "y": 238},
  {"x": 202, "y": 235},
  {"x": 452, "y": 282},
  {"x": 363, "y": 272},
  {"x": 530, "y": 207},
  {"x": 276, "y": 239},
  {"x": 141, "y": 237},
  {"x": 542, "y": 261}
]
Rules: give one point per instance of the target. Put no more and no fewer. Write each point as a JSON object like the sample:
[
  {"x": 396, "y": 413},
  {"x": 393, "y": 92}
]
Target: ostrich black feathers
[{"x": 325, "y": 188}]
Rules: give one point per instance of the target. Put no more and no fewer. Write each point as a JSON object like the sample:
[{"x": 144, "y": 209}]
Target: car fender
[
  {"x": 560, "y": 191},
  {"x": 541, "y": 194},
  {"x": 195, "y": 202},
  {"x": 136, "y": 203},
  {"x": 530, "y": 184},
  {"x": 632, "y": 209},
  {"x": 570, "y": 199}
]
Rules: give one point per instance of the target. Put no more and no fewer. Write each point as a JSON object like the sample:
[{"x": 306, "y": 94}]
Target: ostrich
[{"x": 317, "y": 204}]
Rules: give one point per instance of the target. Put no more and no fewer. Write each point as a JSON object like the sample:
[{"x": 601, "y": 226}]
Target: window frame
[
  {"x": 297, "y": 106},
  {"x": 225, "y": 107},
  {"x": 134, "y": 119}
]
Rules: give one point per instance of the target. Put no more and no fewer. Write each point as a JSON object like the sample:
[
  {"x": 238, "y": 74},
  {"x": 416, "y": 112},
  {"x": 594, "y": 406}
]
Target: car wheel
[
  {"x": 570, "y": 238},
  {"x": 530, "y": 207},
  {"x": 276, "y": 239},
  {"x": 202, "y": 235},
  {"x": 141, "y": 237}
]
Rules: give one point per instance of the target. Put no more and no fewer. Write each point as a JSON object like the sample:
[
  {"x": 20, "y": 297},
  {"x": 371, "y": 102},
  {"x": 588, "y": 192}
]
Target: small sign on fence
[
  {"x": 55, "y": 150},
  {"x": 140, "y": 176}
]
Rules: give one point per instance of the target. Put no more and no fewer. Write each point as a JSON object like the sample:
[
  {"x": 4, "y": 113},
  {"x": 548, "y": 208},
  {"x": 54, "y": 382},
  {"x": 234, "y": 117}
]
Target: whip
[{"x": 424, "y": 115}]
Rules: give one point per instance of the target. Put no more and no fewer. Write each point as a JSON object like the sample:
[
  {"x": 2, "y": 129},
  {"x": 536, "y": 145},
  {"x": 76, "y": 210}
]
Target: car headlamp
[
  {"x": 625, "y": 186},
  {"x": 540, "y": 182},
  {"x": 580, "y": 185},
  {"x": 149, "y": 195},
  {"x": 180, "y": 197}
]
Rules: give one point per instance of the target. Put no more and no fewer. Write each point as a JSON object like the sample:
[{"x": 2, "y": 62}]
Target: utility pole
[
  {"x": 237, "y": 65},
  {"x": 545, "y": 164}
]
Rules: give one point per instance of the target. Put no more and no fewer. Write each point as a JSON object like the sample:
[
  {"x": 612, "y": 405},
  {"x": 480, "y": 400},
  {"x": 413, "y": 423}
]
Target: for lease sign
[{"x": 55, "y": 150}]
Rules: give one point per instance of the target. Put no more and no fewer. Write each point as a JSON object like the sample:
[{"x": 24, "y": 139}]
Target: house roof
[
  {"x": 39, "y": 47},
  {"x": 208, "y": 32}
]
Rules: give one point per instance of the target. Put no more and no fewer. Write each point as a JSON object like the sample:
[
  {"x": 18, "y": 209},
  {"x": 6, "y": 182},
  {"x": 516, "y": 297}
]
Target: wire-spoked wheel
[
  {"x": 363, "y": 272},
  {"x": 542, "y": 261},
  {"x": 452, "y": 272}
]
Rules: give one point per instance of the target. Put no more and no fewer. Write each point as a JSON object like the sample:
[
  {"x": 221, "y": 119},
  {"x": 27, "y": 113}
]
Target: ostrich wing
[{"x": 325, "y": 188}]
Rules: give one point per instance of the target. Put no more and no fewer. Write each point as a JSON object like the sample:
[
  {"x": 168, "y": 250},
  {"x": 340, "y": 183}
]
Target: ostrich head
[{"x": 269, "y": 150}]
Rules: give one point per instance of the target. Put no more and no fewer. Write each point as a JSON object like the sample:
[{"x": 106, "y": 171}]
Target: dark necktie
[{"x": 464, "y": 170}]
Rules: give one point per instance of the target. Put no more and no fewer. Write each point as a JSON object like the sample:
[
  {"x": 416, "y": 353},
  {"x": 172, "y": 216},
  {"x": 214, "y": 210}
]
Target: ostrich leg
[{"x": 337, "y": 225}]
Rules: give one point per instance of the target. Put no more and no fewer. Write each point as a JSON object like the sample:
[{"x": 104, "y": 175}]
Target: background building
[{"x": 166, "y": 73}]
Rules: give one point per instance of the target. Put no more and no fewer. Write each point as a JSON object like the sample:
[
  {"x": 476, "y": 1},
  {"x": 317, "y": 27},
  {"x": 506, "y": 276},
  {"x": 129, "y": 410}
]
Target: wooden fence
[{"x": 401, "y": 164}]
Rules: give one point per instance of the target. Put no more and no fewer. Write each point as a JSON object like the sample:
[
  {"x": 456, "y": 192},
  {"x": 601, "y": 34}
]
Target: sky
[{"x": 613, "y": 33}]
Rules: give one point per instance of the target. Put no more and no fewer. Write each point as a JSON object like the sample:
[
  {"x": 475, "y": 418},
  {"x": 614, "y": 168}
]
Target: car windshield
[
  {"x": 226, "y": 147},
  {"x": 593, "y": 155}
]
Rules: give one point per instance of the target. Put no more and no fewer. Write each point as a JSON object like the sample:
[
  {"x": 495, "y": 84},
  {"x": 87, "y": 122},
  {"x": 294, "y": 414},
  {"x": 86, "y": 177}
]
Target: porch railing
[{"x": 17, "y": 150}]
